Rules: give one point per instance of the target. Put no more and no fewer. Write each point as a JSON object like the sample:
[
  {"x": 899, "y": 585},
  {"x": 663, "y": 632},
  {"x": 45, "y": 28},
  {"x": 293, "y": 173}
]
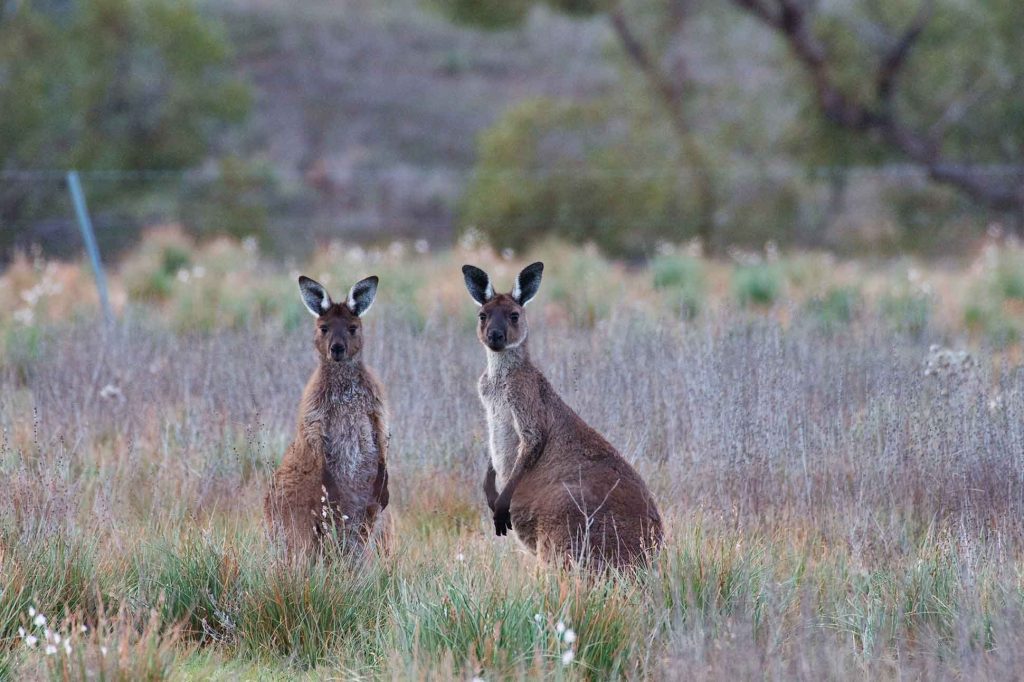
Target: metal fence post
[{"x": 85, "y": 224}]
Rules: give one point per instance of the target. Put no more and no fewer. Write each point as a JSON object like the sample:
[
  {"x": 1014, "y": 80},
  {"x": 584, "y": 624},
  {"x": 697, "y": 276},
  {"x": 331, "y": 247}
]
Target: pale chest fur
[
  {"x": 343, "y": 421},
  {"x": 503, "y": 440}
]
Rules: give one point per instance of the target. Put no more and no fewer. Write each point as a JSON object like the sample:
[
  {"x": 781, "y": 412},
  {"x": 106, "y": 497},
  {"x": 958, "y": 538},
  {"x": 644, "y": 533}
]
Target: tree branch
[
  {"x": 791, "y": 19},
  {"x": 670, "y": 92}
]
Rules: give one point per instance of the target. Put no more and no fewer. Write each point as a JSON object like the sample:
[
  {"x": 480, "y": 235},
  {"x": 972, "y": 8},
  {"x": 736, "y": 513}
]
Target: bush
[
  {"x": 571, "y": 170},
  {"x": 757, "y": 285},
  {"x": 487, "y": 14},
  {"x": 834, "y": 309},
  {"x": 906, "y": 312},
  {"x": 681, "y": 279}
]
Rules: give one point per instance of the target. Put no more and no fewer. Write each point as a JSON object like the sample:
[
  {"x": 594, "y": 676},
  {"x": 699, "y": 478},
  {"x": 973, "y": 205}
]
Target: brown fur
[
  {"x": 566, "y": 491},
  {"x": 336, "y": 467}
]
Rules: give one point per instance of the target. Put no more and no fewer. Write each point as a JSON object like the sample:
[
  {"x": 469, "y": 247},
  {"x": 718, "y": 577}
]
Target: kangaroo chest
[
  {"x": 503, "y": 441},
  {"x": 346, "y": 428}
]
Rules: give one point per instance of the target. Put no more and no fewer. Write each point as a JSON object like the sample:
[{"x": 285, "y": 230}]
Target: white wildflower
[
  {"x": 83, "y": 628},
  {"x": 111, "y": 392},
  {"x": 103, "y": 651},
  {"x": 560, "y": 627},
  {"x": 460, "y": 557},
  {"x": 568, "y": 656},
  {"x": 39, "y": 620},
  {"x": 31, "y": 611},
  {"x": 67, "y": 647},
  {"x": 344, "y": 517},
  {"x": 569, "y": 636},
  {"x": 50, "y": 650},
  {"x": 25, "y": 316},
  {"x": 184, "y": 276},
  {"x": 538, "y": 617},
  {"x": 31, "y": 641}
]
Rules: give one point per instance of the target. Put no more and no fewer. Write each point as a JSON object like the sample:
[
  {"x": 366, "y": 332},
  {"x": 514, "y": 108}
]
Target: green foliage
[
  {"x": 963, "y": 51},
  {"x": 681, "y": 279},
  {"x": 996, "y": 302},
  {"x": 834, "y": 309},
  {"x": 190, "y": 585},
  {"x": 555, "y": 168},
  {"x": 114, "y": 84},
  {"x": 510, "y": 629},
  {"x": 906, "y": 312},
  {"x": 234, "y": 204},
  {"x": 487, "y": 14},
  {"x": 308, "y": 614},
  {"x": 757, "y": 285},
  {"x": 55, "y": 576},
  {"x": 109, "y": 85}
]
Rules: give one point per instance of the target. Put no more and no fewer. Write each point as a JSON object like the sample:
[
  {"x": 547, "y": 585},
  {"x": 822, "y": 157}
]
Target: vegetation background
[{"x": 783, "y": 276}]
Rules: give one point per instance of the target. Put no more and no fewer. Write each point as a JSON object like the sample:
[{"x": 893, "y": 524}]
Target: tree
[
  {"x": 933, "y": 83},
  {"x": 941, "y": 92},
  {"x": 116, "y": 85}
]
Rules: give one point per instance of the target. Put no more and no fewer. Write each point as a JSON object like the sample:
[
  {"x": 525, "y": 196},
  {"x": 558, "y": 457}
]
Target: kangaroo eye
[
  {"x": 482, "y": 316},
  {"x": 514, "y": 317},
  {"x": 353, "y": 329},
  {"x": 323, "y": 328}
]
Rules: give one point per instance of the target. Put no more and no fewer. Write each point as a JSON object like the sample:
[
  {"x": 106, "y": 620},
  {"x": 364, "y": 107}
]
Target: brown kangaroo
[
  {"x": 333, "y": 479},
  {"x": 565, "y": 490}
]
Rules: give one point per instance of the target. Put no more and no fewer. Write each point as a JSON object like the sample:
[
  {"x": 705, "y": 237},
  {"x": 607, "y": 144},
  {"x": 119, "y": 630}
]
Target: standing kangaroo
[
  {"x": 565, "y": 490},
  {"x": 334, "y": 474}
]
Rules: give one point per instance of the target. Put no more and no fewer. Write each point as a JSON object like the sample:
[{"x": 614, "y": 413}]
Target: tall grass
[{"x": 840, "y": 500}]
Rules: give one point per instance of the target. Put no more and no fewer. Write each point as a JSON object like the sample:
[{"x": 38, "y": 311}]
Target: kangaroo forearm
[
  {"x": 527, "y": 457},
  {"x": 490, "y": 486}
]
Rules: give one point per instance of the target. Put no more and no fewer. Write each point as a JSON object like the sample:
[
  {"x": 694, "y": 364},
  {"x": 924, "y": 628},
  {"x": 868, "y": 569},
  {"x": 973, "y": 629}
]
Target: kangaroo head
[
  {"x": 339, "y": 331},
  {"x": 502, "y": 316}
]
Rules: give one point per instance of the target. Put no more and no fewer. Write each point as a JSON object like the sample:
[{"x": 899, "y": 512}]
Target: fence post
[{"x": 85, "y": 224}]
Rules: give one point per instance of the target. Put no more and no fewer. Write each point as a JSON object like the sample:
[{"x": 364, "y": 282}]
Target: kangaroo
[
  {"x": 565, "y": 490},
  {"x": 334, "y": 478}
]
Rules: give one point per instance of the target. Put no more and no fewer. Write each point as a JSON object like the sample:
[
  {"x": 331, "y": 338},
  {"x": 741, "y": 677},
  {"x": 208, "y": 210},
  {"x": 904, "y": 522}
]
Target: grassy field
[{"x": 837, "y": 449}]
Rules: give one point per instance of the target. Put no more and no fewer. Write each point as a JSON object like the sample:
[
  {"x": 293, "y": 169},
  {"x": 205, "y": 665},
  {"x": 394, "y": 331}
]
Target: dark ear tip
[
  {"x": 373, "y": 278},
  {"x": 466, "y": 269},
  {"x": 538, "y": 266},
  {"x": 303, "y": 279}
]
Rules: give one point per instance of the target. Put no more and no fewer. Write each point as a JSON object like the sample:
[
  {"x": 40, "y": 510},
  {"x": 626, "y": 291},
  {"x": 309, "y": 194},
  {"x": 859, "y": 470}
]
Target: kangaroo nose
[
  {"x": 337, "y": 350},
  {"x": 496, "y": 337}
]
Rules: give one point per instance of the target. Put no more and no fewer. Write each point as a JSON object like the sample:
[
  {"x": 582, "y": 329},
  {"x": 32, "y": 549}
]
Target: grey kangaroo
[{"x": 566, "y": 491}]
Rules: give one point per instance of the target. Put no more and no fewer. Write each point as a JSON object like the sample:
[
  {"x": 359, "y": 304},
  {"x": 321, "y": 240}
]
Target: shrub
[
  {"x": 834, "y": 309},
  {"x": 681, "y": 280},
  {"x": 487, "y": 14},
  {"x": 574, "y": 171},
  {"x": 757, "y": 285},
  {"x": 906, "y": 312}
]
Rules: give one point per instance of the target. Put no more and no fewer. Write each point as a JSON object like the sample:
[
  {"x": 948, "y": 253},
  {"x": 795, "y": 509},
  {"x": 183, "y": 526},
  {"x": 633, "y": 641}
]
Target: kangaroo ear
[
  {"x": 314, "y": 296},
  {"x": 478, "y": 283},
  {"x": 361, "y": 296},
  {"x": 527, "y": 283}
]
